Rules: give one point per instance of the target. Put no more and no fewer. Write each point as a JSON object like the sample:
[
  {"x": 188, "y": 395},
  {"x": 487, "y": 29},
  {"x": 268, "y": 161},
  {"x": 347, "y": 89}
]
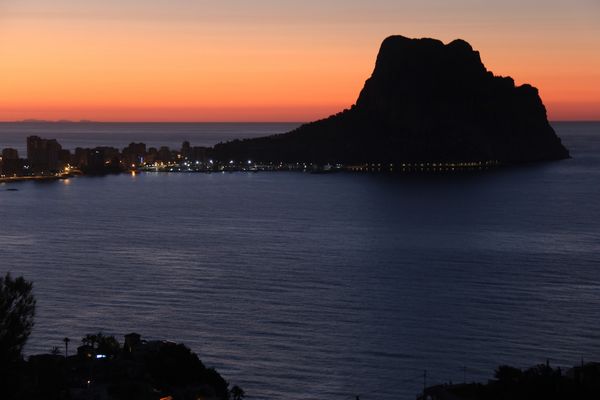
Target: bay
[{"x": 304, "y": 286}]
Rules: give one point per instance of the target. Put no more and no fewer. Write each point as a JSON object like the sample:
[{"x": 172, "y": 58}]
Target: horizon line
[
  {"x": 65, "y": 121},
  {"x": 41, "y": 121}
]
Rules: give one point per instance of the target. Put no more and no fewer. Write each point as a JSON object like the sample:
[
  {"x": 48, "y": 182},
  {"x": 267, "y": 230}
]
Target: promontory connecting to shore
[
  {"x": 428, "y": 106},
  {"x": 46, "y": 160},
  {"x": 426, "y": 102}
]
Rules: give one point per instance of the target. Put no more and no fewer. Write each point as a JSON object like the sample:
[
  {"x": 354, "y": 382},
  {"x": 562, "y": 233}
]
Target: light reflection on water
[{"x": 301, "y": 286}]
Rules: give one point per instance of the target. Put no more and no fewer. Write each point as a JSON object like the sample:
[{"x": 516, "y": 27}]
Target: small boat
[{"x": 12, "y": 190}]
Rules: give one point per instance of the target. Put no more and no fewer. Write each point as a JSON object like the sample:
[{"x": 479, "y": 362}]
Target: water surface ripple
[{"x": 300, "y": 286}]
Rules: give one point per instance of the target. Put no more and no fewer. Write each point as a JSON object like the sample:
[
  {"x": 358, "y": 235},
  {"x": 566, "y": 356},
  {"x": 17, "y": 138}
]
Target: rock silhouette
[{"x": 426, "y": 101}]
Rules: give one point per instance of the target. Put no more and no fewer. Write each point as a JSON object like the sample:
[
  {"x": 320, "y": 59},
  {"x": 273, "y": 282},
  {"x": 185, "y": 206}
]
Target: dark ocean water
[{"x": 300, "y": 286}]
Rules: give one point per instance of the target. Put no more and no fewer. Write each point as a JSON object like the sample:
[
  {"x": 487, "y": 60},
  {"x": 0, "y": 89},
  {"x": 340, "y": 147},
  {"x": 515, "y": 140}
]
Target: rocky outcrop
[{"x": 426, "y": 101}]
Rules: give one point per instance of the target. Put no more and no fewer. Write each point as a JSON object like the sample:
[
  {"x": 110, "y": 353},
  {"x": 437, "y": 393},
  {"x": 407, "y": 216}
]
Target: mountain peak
[{"x": 426, "y": 101}]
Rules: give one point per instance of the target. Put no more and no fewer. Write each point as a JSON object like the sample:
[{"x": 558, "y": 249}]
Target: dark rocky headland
[{"x": 426, "y": 101}]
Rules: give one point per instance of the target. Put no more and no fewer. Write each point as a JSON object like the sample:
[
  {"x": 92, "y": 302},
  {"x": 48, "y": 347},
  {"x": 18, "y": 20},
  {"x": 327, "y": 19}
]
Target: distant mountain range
[
  {"x": 426, "y": 101},
  {"x": 60, "y": 121}
]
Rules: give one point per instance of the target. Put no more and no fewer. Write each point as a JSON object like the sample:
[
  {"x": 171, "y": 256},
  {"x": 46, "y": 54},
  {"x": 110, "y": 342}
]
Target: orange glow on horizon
[{"x": 108, "y": 68}]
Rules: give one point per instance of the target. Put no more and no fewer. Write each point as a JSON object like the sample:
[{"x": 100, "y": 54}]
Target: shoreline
[
  {"x": 38, "y": 178},
  {"x": 417, "y": 169}
]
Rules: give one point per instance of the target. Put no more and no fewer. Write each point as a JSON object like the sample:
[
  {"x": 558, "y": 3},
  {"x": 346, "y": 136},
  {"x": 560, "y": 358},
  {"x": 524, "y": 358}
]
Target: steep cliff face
[{"x": 425, "y": 101}]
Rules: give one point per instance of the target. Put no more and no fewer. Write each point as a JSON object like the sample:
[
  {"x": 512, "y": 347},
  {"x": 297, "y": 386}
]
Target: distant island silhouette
[
  {"x": 50, "y": 121},
  {"x": 426, "y": 101}
]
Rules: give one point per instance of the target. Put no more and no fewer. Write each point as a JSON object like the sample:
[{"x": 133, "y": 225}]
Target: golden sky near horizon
[{"x": 267, "y": 60}]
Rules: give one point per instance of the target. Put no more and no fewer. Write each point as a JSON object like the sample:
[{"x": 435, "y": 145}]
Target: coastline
[{"x": 38, "y": 178}]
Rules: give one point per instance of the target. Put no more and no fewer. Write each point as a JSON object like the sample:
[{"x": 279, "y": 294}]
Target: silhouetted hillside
[{"x": 425, "y": 101}]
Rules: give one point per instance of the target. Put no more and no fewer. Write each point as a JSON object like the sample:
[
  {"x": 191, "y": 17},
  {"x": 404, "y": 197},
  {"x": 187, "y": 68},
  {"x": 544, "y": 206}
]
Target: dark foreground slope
[
  {"x": 540, "y": 382},
  {"x": 103, "y": 369},
  {"x": 426, "y": 102}
]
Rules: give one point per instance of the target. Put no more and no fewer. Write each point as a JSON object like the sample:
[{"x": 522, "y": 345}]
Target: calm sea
[{"x": 301, "y": 286}]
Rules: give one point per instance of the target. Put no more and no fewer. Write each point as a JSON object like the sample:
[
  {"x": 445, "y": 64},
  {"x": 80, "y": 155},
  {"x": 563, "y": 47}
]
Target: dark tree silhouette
[
  {"x": 90, "y": 340},
  {"x": 66, "y": 340},
  {"x": 17, "y": 309},
  {"x": 176, "y": 365},
  {"x": 508, "y": 375},
  {"x": 104, "y": 344},
  {"x": 108, "y": 345},
  {"x": 237, "y": 393}
]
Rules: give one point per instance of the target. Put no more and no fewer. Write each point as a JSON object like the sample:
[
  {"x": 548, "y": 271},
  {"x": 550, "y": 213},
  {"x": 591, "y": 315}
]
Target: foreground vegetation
[
  {"x": 541, "y": 382},
  {"x": 102, "y": 367}
]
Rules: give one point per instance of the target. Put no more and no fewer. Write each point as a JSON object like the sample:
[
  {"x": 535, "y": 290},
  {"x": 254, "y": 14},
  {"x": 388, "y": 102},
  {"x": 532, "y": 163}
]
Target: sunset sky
[{"x": 270, "y": 60}]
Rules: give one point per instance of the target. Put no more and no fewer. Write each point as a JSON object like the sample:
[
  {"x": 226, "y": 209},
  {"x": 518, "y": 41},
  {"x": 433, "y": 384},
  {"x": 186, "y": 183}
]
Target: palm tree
[
  {"x": 66, "y": 340},
  {"x": 237, "y": 393}
]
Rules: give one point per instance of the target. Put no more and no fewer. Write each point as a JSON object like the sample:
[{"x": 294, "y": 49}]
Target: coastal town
[{"x": 46, "y": 159}]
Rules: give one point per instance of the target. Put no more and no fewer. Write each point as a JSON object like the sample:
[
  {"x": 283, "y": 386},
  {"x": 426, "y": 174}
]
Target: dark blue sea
[{"x": 304, "y": 286}]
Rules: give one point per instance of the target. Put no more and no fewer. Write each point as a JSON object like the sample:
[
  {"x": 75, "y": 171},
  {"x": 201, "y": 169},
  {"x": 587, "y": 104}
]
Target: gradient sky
[{"x": 268, "y": 60}]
